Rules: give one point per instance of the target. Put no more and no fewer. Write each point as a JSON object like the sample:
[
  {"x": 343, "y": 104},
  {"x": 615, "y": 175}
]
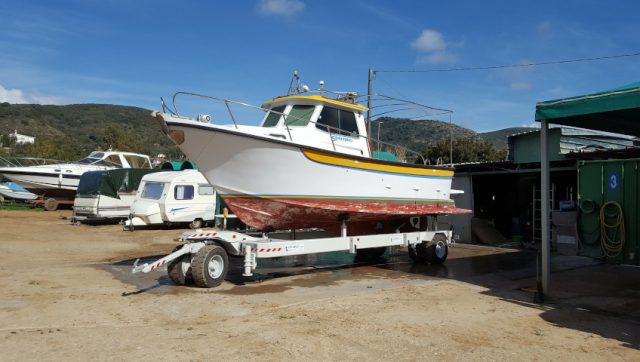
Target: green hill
[
  {"x": 499, "y": 138},
  {"x": 416, "y": 135},
  {"x": 78, "y": 129}
]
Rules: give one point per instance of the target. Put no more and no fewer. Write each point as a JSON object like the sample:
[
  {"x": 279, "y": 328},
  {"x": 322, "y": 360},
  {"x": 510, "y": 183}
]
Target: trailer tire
[
  {"x": 418, "y": 252},
  {"x": 179, "y": 270},
  {"x": 196, "y": 224},
  {"x": 209, "y": 266},
  {"x": 51, "y": 204},
  {"x": 437, "y": 250}
]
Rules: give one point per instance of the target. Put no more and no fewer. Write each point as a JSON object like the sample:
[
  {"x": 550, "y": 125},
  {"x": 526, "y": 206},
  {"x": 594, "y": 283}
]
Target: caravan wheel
[{"x": 196, "y": 224}]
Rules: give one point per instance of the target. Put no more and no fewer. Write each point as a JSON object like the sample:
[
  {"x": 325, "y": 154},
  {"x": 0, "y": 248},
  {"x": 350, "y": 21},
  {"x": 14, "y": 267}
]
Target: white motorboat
[
  {"x": 310, "y": 164},
  {"x": 60, "y": 180}
]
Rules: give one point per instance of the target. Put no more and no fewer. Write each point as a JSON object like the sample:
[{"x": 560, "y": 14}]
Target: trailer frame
[{"x": 203, "y": 253}]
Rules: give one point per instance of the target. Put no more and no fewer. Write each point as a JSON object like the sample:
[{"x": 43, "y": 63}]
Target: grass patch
[{"x": 13, "y": 206}]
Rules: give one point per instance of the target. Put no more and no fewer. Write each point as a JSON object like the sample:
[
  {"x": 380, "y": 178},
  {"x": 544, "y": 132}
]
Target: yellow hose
[{"x": 610, "y": 246}]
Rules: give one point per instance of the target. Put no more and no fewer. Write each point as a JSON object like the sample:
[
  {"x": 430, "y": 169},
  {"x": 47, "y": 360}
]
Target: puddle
[{"x": 327, "y": 269}]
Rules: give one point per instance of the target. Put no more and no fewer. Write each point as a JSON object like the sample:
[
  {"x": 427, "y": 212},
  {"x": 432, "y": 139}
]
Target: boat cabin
[
  {"x": 117, "y": 159},
  {"x": 317, "y": 121}
]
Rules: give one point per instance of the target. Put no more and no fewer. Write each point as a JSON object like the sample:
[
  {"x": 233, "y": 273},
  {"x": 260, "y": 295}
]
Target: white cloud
[
  {"x": 429, "y": 40},
  {"x": 17, "y": 96},
  {"x": 280, "y": 7},
  {"x": 434, "y": 48},
  {"x": 521, "y": 86}
]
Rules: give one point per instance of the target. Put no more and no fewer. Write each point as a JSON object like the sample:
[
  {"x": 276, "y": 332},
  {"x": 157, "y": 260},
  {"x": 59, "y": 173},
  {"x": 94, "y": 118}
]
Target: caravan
[
  {"x": 107, "y": 194},
  {"x": 173, "y": 197}
]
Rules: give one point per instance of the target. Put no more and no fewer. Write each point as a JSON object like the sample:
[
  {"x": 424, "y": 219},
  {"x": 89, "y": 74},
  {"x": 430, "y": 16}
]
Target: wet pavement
[{"x": 308, "y": 271}]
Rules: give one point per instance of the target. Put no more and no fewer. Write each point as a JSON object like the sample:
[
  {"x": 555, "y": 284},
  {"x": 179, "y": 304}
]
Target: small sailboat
[{"x": 310, "y": 163}]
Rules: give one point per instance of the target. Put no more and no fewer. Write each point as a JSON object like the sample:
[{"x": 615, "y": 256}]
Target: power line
[{"x": 511, "y": 65}]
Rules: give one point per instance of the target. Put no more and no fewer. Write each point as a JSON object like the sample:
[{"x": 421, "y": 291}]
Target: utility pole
[{"x": 369, "y": 87}]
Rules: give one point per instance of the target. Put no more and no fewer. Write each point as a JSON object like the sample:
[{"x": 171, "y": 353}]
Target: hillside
[
  {"x": 76, "y": 130},
  {"x": 499, "y": 138},
  {"x": 416, "y": 135},
  {"x": 82, "y": 128}
]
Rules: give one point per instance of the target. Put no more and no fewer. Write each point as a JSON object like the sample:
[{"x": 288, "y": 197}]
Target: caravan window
[
  {"x": 205, "y": 190},
  {"x": 183, "y": 192},
  {"x": 152, "y": 190}
]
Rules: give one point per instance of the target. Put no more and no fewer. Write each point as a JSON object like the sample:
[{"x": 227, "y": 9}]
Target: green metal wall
[
  {"x": 526, "y": 147},
  {"x": 598, "y": 183}
]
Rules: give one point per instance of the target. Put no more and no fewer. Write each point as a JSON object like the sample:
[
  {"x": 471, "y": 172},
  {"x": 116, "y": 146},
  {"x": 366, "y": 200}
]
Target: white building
[{"x": 19, "y": 138}]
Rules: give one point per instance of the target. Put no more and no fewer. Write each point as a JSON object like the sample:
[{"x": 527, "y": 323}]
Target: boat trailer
[{"x": 203, "y": 258}]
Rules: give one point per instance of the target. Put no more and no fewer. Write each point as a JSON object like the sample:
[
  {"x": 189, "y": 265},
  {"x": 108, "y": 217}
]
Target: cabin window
[
  {"x": 152, "y": 190},
  {"x": 183, "y": 192},
  {"x": 113, "y": 160},
  {"x": 337, "y": 119},
  {"x": 137, "y": 161},
  {"x": 299, "y": 115},
  {"x": 273, "y": 117},
  {"x": 205, "y": 190}
]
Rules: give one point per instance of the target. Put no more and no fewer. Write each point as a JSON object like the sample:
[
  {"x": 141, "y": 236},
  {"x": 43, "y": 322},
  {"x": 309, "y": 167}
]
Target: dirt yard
[{"x": 67, "y": 295}]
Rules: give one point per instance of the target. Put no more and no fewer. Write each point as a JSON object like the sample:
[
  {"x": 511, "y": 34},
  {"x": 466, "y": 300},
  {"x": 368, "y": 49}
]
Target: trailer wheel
[
  {"x": 196, "y": 224},
  {"x": 51, "y": 204},
  {"x": 209, "y": 266},
  {"x": 437, "y": 250},
  {"x": 179, "y": 270},
  {"x": 418, "y": 252}
]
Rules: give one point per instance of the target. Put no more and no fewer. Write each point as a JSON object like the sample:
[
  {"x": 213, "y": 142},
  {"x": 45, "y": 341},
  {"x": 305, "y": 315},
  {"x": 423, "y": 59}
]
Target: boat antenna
[{"x": 294, "y": 85}]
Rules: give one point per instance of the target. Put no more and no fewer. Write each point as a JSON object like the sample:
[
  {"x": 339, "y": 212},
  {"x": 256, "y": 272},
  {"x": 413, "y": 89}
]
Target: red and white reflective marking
[
  {"x": 266, "y": 250},
  {"x": 202, "y": 235},
  {"x": 156, "y": 264}
]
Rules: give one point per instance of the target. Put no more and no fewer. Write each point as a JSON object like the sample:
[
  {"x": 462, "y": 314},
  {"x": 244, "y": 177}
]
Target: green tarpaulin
[
  {"x": 616, "y": 110},
  {"x": 111, "y": 182}
]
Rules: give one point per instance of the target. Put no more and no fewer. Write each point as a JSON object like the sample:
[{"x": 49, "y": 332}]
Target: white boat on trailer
[{"x": 309, "y": 164}]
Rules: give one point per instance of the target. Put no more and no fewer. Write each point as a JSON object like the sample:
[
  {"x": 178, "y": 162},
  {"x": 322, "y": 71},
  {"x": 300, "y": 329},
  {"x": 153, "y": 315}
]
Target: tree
[
  {"x": 122, "y": 139},
  {"x": 468, "y": 149}
]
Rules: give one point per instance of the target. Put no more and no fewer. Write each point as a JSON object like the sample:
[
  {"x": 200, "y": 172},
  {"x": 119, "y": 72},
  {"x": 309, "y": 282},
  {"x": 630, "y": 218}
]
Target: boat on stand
[
  {"x": 310, "y": 163},
  {"x": 57, "y": 182}
]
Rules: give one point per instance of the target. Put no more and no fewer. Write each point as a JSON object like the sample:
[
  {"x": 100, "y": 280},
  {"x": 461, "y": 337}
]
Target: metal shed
[{"x": 615, "y": 110}]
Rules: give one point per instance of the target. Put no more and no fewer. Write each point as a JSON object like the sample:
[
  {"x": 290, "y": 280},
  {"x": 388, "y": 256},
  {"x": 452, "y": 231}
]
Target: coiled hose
[{"x": 612, "y": 243}]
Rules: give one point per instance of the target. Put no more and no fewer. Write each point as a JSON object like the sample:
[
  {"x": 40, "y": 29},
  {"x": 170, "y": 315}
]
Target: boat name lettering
[{"x": 337, "y": 137}]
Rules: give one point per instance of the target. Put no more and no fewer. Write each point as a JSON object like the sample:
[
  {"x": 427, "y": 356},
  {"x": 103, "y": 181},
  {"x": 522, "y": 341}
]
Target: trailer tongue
[{"x": 204, "y": 255}]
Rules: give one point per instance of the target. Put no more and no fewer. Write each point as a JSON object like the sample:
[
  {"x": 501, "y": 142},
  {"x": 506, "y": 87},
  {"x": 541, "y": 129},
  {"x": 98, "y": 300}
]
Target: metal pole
[
  {"x": 450, "y": 141},
  {"x": 544, "y": 208},
  {"x": 369, "y": 87}
]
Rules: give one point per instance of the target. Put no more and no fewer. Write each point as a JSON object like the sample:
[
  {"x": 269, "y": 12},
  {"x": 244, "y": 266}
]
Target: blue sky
[{"x": 133, "y": 52}]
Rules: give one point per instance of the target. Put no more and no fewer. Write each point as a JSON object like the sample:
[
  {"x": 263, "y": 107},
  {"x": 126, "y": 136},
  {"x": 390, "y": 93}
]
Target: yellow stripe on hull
[{"x": 338, "y": 160}]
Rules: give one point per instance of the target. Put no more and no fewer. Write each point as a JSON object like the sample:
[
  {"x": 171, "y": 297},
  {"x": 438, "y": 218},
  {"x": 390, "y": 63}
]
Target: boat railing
[
  {"x": 400, "y": 151},
  {"x": 26, "y": 161}
]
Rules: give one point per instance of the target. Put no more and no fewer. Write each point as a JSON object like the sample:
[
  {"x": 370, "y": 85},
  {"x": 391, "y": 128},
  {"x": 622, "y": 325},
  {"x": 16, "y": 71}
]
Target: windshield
[
  {"x": 88, "y": 160},
  {"x": 152, "y": 190}
]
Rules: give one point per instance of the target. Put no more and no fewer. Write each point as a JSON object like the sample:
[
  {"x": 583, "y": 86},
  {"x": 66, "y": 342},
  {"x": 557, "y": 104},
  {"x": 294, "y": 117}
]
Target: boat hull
[
  {"x": 45, "y": 184},
  {"x": 272, "y": 184}
]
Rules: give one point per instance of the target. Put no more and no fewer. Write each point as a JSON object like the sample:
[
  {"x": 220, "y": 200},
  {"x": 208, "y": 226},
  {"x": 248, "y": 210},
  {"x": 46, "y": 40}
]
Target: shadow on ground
[{"x": 585, "y": 294}]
